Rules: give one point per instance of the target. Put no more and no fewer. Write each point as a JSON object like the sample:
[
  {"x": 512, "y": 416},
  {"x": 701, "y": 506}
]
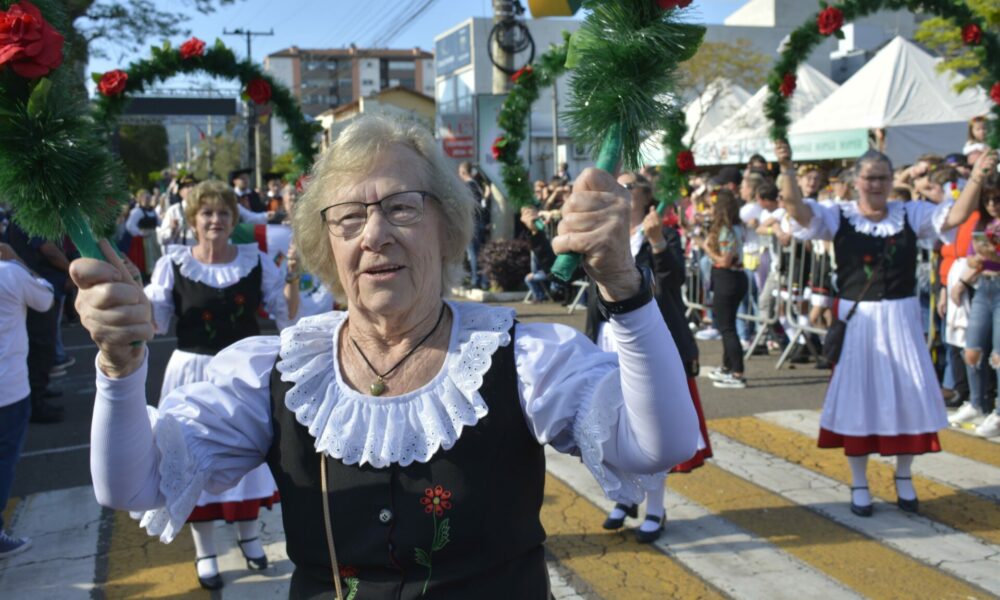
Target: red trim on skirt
[
  {"x": 886, "y": 445},
  {"x": 247, "y": 510},
  {"x": 137, "y": 253},
  {"x": 699, "y": 458}
]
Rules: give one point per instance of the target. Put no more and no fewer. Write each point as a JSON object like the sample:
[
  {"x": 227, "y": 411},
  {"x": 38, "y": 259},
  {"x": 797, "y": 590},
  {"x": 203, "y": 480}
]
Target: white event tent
[
  {"x": 899, "y": 90},
  {"x": 720, "y": 99},
  {"x": 747, "y": 132}
]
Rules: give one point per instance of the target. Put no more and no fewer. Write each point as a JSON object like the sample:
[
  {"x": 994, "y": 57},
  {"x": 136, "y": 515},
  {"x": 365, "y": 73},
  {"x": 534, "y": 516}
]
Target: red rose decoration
[
  {"x": 31, "y": 46},
  {"x": 206, "y": 316},
  {"x": 972, "y": 34},
  {"x": 788, "y": 83},
  {"x": 112, "y": 83},
  {"x": 868, "y": 259},
  {"x": 497, "y": 147},
  {"x": 830, "y": 20},
  {"x": 995, "y": 92},
  {"x": 522, "y": 72},
  {"x": 436, "y": 500},
  {"x": 192, "y": 48},
  {"x": 259, "y": 91},
  {"x": 685, "y": 161},
  {"x": 239, "y": 300},
  {"x": 671, "y": 4},
  {"x": 348, "y": 571}
]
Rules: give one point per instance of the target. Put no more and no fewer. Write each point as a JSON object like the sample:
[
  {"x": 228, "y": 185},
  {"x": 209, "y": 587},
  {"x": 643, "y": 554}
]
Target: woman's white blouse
[
  {"x": 132, "y": 223},
  {"x": 926, "y": 219},
  {"x": 161, "y": 282},
  {"x": 624, "y": 420}
]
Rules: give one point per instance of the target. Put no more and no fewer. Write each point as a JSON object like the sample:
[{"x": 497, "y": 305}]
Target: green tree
[
  {"x": 217, "y": 155},
  {"x": 143, "y": 149},
  {"x": 945, "y": 37},
  {"x": 736, "y": 62}
]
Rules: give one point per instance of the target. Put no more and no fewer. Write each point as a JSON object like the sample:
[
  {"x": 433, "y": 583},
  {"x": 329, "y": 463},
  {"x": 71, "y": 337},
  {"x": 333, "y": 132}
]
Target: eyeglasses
[{"x": 401, "y": 209}]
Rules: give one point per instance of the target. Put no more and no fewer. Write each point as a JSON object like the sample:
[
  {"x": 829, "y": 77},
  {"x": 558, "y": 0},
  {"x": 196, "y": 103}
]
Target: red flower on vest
[{"x": 436, "y": 500}]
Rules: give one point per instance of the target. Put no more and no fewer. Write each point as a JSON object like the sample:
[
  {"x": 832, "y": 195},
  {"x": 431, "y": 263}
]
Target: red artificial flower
[
  {"x": 671, "y": 4},
  {"x": 788, "y": 84},
  {"x": 868, "y": 259},
  {"x": 28, "y": 43},
  {"x": 995, "y": 92},
  {"x": 239, "y": 300},
  {"x": 497, "y": 147},
  {"x": 113, "y": 83},
  {"x": 259, "y": 91},
  {"x": 522, "y": 72},
  {"x": 192, "y": 48},
  {"x": 347, "y": 571},
  {"x": 300, "y": 183},
  {"x": 830, "y": 20},
  {"x": 436, "y": 500},
  {"x": 206, "y": 315},
  {"x": 685, "y": 161},
  {"x": 972, "y": 34}
]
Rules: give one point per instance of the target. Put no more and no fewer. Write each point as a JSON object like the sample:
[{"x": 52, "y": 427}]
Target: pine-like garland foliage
[
  {"x": 803, "y": 40},
  {"x": 624, "y": 61}
]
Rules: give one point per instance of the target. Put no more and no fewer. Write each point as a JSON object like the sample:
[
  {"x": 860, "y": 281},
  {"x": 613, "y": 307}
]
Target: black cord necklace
[{"x": 377, "y": 388}]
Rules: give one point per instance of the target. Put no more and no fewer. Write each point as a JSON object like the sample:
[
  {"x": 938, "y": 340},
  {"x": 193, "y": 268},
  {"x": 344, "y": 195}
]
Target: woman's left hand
[
  {"x": 652, "y": 226},
  {"x": 595, "y": 223}
]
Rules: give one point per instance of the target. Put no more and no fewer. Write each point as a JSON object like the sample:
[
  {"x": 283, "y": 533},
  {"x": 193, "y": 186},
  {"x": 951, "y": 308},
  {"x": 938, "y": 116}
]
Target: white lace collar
[
  {"x": 891, "y": 225},
  {"x": 359, "y": 429},
  {"x": 216, "y": 275}
]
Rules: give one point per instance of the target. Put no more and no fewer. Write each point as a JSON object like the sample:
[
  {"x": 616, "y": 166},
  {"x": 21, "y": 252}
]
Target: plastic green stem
[
  {"x": 79, "y": 231},
  {"x": 607, "y": 160}
]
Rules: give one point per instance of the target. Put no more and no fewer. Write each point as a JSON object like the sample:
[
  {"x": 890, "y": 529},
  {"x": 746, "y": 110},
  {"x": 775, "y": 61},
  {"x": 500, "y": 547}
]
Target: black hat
[
  {"x": 238, "y": 172},
  {"x": 728, "y": 175},
  {"x": 186, "y": 180},
  {"x": 271, "y": 176}
]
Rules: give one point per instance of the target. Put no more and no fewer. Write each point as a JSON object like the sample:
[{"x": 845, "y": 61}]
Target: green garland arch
[
  {"x": 192, "y": 57},
  {"x": 830, "y": 20}
]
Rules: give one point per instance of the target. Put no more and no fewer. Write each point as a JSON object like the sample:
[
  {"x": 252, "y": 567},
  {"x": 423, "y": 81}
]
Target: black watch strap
[{"x": 645, "y": 294}]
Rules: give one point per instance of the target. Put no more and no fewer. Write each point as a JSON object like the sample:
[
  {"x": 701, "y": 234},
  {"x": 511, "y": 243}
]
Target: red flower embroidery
[
  {"x": 240, "y": 299},
  {"x": 972, "y": 34},
  {"x": 206, "y": 315},
  {"x": 788, "y": 84},
  {"x": 259, "y": 90},
  {"x": 522, "y": 72},
  {"x": 436, "y": 500},
  {"x": 348, "y": 571},
  {"x": 670, "y": 4},
  {"x": 498, "y": 146},
  {"x": 28, "y": 43},
  {"x": 830, "y": 20},
  {"x": 995, "y": 92},
  {"x": 113, "y": 83},
  {"x": 868, "y": 259},
  {"x": 685, "y": 161},
  {"x": 192, "y": 48}
]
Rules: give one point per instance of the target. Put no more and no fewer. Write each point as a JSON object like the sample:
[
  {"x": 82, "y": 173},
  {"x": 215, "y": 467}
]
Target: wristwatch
[{"x": 644, "y": 295}]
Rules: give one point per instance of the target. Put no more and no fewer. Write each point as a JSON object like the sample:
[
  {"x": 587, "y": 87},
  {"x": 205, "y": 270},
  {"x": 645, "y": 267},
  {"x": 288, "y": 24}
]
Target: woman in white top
[{"x": 141, "y": 224}]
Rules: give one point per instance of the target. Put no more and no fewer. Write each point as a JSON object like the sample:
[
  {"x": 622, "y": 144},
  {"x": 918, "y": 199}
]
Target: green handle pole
[{"x": 607, "y": 160}]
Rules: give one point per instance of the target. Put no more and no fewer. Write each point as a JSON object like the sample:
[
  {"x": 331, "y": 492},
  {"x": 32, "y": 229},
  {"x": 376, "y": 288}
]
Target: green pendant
[{"x": 378, "y": 387}]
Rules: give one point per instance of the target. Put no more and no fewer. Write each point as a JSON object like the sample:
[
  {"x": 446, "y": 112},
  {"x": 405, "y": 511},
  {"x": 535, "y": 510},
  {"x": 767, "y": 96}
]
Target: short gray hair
[{"x": 351, "y": 157}]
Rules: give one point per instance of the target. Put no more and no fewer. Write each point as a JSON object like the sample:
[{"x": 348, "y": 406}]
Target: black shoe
[
  {"x": 648, "y": 537},
  {"x": 630, "y": 511},
  {"x": 209, "y": 583},
  {"x": 46, "y": 413},
  {"x": 956, "y": 401},
  {"x": 823, "y": 363},
  {"x": 760, "y": 350},
  {"x": 800, "y": 356},
  {"x": 858, "y": 509},
  {"x": 910, "y": 506},
  {"x": 52, "y": 393},
  {"x": 254, "y": 564}
]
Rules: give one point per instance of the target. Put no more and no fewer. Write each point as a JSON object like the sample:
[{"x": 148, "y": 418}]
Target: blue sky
[{"x": 337, "y": 23}]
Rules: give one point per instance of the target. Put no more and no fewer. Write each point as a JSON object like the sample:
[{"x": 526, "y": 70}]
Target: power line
[{"x": 404, "y": 24}]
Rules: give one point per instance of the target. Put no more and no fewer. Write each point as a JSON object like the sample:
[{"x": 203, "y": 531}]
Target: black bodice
[
  {"x": 859, "y": 255},
  {"x": 463, "y": 525},
  {"x": 148, "y": 219},
  {"x": 209, "y": 318}
]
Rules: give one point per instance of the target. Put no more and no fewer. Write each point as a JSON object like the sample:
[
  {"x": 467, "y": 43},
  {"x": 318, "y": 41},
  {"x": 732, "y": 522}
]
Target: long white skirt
[
  {"x": 885, "y": 383},
  {"x": 186, "y": 367}
]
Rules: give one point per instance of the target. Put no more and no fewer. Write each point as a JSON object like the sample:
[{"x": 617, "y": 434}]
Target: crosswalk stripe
[
  {"x": 742, "y": 566},
  {"x": 612, "y": 565},
  {"x": 966, "y": 474},
  {"x": 934, "y": 545},
  {"x": 971, "y": 446},
  {"x": 955, "y": 508}
]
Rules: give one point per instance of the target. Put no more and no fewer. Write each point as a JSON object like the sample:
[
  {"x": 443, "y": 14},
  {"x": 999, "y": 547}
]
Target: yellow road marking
[
  {"x": 614, "y": 565},
  {"x": 140, "y": 566},
  {"x": 8, "y": 513},
  {"x": 860, "y": 563},
  {"x": 971, "y": 447},
  {"x": 965, "y": 512}
]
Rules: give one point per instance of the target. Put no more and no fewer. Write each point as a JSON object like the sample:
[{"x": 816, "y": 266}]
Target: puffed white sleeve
[
  {"x": 927, "y": 220},
  {"x": 159, "y": 291},
  {"x": 203, "y": 436},
  {"x": 823, "y": 226},
  {"x": 627, "y": 415},
  {"x": 132, "y": 223},
  {"x": 164, "y": 232},
  {"x": 249, "y": 216},
  {"x": 272, "y": 285}
]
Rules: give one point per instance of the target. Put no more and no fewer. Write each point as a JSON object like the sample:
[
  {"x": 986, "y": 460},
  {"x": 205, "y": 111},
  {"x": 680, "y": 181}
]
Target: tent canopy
[{"x": 720, "y": 99}]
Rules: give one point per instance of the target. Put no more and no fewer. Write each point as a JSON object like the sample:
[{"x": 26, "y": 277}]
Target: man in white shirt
[{"x": 20, "y": 289}]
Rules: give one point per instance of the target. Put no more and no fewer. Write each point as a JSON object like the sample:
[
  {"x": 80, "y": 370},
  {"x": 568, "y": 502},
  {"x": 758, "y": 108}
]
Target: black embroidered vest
[
  {"x": 209, "y": 318},
  {"x": 463, "y": 525},
  {"x": 859, "y": 254},
  {"x": 148, "y": 219}
]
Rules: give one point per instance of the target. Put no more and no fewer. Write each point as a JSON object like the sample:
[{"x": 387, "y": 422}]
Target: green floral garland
[
  {"x": 115, "y": 87},
  {"x": 830, "y": 20},
  {"x": 672, "y": 184},
  {"x": 513, "y": 120}
]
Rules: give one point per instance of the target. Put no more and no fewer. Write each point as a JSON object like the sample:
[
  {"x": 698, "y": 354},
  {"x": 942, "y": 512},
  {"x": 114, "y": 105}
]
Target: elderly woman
[
  {"x": 406, "y": 433},
  {"x": 884, "y": 396},
  {"x": 214, "y": 289}
]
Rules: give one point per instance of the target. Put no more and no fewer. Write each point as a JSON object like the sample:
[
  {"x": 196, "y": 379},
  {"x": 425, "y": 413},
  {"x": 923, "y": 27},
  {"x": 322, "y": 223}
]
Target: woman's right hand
[
  {"x": 783, "y": 152},
  {"x": 114, "y": 309}
]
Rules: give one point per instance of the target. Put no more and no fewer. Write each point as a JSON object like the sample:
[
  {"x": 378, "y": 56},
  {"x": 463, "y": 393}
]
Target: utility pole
[
  {"x": 252, "y": 159},
  {"x": 502, "y": 10},
  {"x": 555, "y": 126}
]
